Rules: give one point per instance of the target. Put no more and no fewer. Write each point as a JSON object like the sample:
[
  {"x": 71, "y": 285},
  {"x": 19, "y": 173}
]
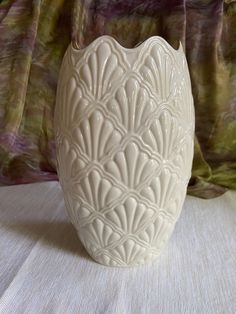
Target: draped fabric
[{"x": 34, "y": 35}]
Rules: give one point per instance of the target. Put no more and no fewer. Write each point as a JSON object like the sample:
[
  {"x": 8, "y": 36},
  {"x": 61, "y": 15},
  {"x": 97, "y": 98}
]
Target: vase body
[{"x": 124, "y": 126}]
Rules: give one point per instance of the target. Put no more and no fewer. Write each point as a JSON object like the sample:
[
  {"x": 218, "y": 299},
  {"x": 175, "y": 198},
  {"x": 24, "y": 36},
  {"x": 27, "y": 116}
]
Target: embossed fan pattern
[{"x": 124, "y": 124}]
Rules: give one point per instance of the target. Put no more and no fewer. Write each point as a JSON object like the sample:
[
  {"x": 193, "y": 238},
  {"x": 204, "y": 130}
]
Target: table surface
[{"x": 44, "y": 268}]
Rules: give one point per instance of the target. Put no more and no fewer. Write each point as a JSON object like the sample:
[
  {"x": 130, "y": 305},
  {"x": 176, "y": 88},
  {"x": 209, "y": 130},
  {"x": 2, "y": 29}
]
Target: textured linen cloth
[
  {"x": 34, "y": 36},
  {"x": 44, "y": 268}
]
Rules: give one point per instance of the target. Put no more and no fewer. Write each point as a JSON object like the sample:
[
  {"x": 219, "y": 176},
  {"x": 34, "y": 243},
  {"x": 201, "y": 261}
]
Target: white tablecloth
[{"x": 44, "y": 269}]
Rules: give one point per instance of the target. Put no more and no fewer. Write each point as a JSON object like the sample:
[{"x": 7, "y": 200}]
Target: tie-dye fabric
[{"x": 34, "y": 35}]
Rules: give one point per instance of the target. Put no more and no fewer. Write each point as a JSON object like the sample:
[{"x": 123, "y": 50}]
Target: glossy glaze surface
[{"x": 124, "y": 124}]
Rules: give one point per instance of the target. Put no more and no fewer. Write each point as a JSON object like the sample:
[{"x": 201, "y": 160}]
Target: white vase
[{"x": 124, "y": 125}]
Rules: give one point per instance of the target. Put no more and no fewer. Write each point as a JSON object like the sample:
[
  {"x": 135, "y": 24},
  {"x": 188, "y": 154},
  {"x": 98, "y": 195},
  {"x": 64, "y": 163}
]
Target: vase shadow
[{"x": 60, "y": 235}]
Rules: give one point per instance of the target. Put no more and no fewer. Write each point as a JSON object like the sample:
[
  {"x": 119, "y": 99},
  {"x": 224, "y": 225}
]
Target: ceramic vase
[{"x": 124, "y": 126}]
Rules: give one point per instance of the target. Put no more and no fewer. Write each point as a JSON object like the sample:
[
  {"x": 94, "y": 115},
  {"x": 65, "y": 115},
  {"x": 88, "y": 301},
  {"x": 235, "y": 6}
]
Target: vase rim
[{"x": 134, "y": 49}]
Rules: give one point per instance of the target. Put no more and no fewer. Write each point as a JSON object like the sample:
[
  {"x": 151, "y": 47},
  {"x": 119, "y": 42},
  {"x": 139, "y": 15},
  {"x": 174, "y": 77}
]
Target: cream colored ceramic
[{"x": 124, "y": 125}]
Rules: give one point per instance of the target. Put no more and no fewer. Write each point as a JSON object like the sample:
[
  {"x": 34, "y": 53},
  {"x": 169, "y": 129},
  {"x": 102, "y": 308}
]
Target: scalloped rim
[{"x": 111, "y": 39}]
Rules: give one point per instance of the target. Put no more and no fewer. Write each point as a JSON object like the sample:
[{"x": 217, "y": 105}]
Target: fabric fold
[{"x": 34, "y": 36}]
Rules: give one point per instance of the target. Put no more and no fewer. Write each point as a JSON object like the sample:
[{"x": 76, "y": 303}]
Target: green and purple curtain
[{"x": 34, "y": 35}]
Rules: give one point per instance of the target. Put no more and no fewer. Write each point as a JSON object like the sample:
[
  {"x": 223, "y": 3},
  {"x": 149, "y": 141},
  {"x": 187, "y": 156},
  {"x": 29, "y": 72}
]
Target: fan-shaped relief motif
[
  {"x": 99, "y": 234},
  {"x": 73, "y": 104},
  {"x": 132, "y": 104},
  {"x": 124, "y": 124},
  {"x": 182, "y": 102},
  {"x": 174, "y": 206},
  {"x": 96, "y": 191},
  {"x": 130, "y": 215},
  {"x": 157, "y": 233},
  {"x": 68, "y": 159},
  {"x": 105, "y": 259},
  {"x": 100, "y": 68},
  {"x": 164, "y": 135},
  {"x": 131, "y": 166},
  {"x": 96, "y": 135},
  {"x": 182, "y": 105},
  {"x": 158, "y": 69},
  {"x": 184, "y": 158},
  {"x": 162, "y": 189},
  {"x": 129, "y": 252},
  {"x": 78, "y": 211}
]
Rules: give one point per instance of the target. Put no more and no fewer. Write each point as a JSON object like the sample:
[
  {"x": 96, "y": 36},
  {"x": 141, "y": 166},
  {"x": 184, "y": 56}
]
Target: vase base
[
  {"x": 107, "y": 259},
  {"x": 102, "y": 261}
]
